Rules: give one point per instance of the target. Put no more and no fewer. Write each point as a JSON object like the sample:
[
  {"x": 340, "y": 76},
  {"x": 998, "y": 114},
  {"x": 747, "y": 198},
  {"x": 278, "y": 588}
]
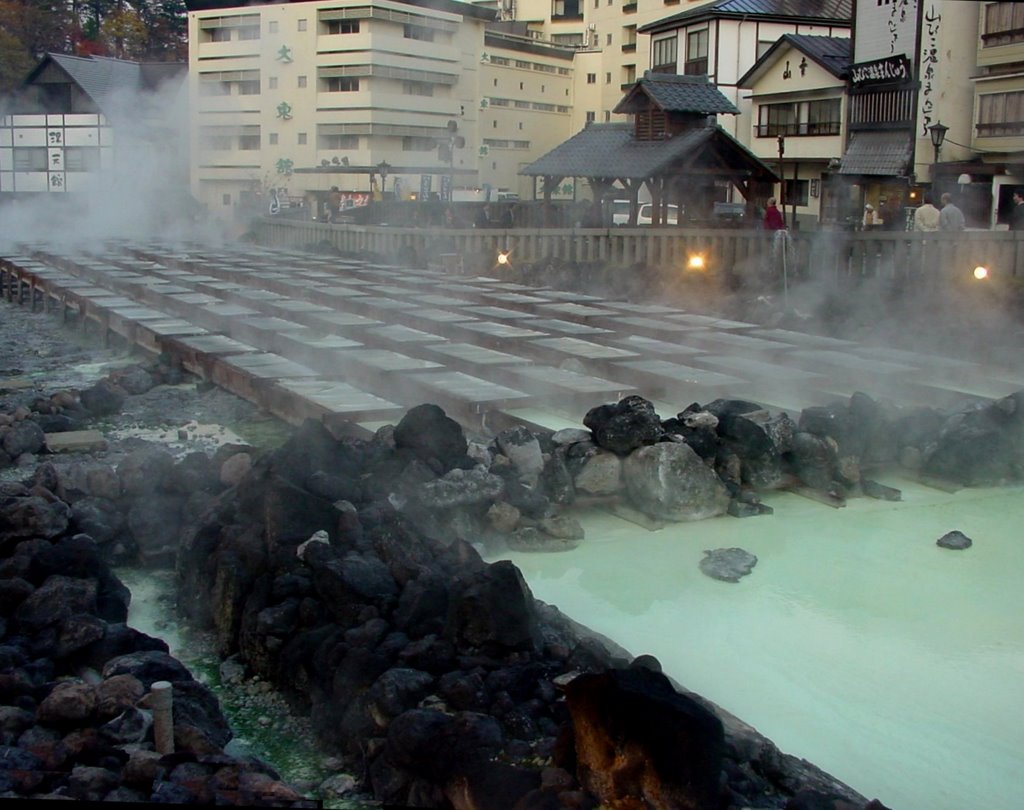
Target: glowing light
[
  {"x": 503, "y": 256},
  {"x": 980, "y": 272},
  {"x": 695, "y": 262}
]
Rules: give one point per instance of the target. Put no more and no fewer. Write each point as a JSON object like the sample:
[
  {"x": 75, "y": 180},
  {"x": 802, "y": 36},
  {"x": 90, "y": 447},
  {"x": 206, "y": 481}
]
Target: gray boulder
[
  {"x": 624, "y": 426},
  {"x": 727, "y": 564},
  {"x": 671, "y": 482},
  {"x": 23, "y": 437}
]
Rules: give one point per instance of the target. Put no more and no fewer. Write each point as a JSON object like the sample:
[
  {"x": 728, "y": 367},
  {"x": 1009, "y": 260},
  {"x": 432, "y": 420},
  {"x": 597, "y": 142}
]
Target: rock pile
[
  {"x": 340, "y": 570},
  {"x": 74, "y": 721}
]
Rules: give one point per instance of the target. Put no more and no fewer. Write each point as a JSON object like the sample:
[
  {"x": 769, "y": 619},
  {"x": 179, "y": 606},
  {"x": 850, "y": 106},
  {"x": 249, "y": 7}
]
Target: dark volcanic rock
[
  {"x": 102, "y": 399},
  {"x": 955, "y": 540},
  {"x": 624, "y": 426},
  {"x": 638, "y": 740},
  {"x": 22, "y": 437},
  {"x": 432, "y": 435}
]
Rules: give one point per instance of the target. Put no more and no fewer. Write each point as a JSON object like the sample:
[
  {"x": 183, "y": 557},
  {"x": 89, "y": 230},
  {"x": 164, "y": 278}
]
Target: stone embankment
[{"x": 345, "y": 572}]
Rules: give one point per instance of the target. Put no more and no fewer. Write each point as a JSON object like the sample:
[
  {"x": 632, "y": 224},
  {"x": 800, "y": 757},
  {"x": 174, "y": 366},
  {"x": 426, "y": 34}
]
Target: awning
[{"x": 877, "y": 153}]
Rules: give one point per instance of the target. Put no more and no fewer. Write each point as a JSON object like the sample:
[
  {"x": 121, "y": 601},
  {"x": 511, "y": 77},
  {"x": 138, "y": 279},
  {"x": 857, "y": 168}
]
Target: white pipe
[{"x": 161, "y": 703}]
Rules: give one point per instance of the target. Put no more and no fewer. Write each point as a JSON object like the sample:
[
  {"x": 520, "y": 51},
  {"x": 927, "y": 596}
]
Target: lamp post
[
  {"x": 383, "y": 167},
  {"x": 782, "y": 179},
  {"x": 937, "y": 132}
]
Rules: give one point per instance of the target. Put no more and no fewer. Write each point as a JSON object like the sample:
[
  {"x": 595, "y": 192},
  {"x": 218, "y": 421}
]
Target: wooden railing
[{"x": 808, "y": 254}]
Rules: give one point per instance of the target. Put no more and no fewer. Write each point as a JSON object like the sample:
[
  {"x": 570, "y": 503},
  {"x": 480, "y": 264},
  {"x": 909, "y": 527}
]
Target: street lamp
[
  {"x": 383, "y": 167},
  {"x": 937, "y": 132}
]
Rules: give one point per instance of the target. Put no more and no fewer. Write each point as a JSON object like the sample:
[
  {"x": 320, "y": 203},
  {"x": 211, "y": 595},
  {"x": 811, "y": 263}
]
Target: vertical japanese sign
[
  {"x": 929, "y": 64},
  {"x": 55, "y": 160},
  {"x": 425, "y": 180}
]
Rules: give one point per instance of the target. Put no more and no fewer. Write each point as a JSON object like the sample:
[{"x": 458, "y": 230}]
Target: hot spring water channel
[{"x": 856, "y": 642}]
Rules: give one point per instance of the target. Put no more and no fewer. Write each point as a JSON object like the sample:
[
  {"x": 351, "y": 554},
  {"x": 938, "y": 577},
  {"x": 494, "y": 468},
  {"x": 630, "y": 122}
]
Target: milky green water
[{"x": 856, "y": 643}]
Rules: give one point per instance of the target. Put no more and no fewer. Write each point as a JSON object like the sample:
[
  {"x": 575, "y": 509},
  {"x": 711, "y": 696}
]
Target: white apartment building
[{"x": 297, "y": 98}]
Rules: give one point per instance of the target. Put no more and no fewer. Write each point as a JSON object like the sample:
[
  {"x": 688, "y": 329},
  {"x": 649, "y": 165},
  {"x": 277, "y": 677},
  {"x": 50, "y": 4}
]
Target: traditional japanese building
[{"x": 78, "y": 119}]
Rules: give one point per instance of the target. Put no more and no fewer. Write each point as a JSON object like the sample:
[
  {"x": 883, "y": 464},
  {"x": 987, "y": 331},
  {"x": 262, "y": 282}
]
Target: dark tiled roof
[
  {"x": 832, "y": 53},
  {"x": 835, "y": 11},
  {"x": 679, "y": 94},
  {"x": 877, "y": 153},
  {"x": 609, "y": 150},
  {"x": 104, "y": 80}
]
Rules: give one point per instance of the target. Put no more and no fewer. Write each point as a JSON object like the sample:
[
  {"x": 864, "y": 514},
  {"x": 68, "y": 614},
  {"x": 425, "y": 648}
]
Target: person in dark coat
[{"x": 1017, "y": 214}]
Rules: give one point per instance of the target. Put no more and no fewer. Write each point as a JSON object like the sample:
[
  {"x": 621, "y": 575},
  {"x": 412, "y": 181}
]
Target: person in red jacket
[{"x": 773, "y": 217}]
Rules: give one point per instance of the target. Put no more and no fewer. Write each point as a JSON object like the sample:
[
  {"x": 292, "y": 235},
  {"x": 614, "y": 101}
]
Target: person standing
[
  {"x": 951, "y": 218},
  {"x": 1017, "y": 215},
  {"x": 773, "y": 217},
  {"x": 926, "y": 218}
]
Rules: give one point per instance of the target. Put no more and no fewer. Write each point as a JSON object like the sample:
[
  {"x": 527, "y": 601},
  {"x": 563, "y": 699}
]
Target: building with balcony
[
  {"x": 997, "y": 136},
  {"x": 78, "y": 120},
  {"x": 724, "y": 38},
  {"x": 295, "y": 99},
  {"x": 798, "y": 94}
]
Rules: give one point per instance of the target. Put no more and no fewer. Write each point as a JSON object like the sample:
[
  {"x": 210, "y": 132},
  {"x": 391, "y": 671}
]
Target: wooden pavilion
[{"x": 674, "y": 146}]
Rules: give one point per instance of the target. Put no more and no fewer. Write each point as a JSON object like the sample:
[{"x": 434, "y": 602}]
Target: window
[
  {"x": 629, "y": 38},
  {"x": 302, "y": 25},
  {"x": 82, "y": 158},
  {"x": 225, "y": 199},
  {"x": 249, "y": 143},
  {"x": 417, "y": 88},
  {"x": 607, "y": 78},
  {"x": 696, "y": 53},
  {"x": 302, "y": 139},
  {"x": 591, "y": 78},
  {"x": 249, "y": 32},
  {"x": 1001, "y": 113},
  {"x": 273, "y": 138},
  {"x": 591, "y": 116},
  {"x": 494, "y": 124},
  {"x": 796, "y": 192},
  {"x": 418, "y": 32},
  {"x": 220, "y": 35},
  {"x": 607, "y": 116},
  {"x": 214, "y": 88},
  {"x": 272, "y": 27},
  {"x": 663, "y": 55},
  {"x": 520, "y": 63},
  {"x": 30, "y": 158},
  {"x": 249, "y": 88},
  {"x": 1004, "y": 24},
  {"x": 272, "y": 83},
  {"x": 215, "y": 142},
  {"x": 302, "y": 82},
  {"x": 343, "y": 26},
  {"x": 330, "y": 142},
  {"x": 800, "y": 118},
  {"x": 500, "y": 60},
  {"x": 417, "y": 143},
  {"x": 341, "y": 84}
]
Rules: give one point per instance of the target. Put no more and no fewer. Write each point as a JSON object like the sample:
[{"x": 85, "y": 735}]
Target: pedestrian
[
  {"x": 483, "y": 218},
  {"x": 773, "y": 220},
  {"x": 1017, "y": 215},
  {"x": 951, "y": 218},
  {"x": 333, "y": 204},
  {"x": 895, "y": 218},
  {"x": 926, "y": 218},
  {"x": 871, "y": 220}
]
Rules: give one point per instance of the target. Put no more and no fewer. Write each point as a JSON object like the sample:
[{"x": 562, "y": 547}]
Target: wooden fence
[{"x": 801, "y": 254}]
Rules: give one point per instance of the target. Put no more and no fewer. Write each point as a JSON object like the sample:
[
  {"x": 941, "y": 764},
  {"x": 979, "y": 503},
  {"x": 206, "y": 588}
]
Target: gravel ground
[{"x": 40, "y": 356}]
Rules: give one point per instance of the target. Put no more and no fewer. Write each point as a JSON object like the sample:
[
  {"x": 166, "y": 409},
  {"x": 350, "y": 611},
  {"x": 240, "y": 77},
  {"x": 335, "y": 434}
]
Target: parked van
[
  {"x": 645, "y": 216},
  {"x": 620, "y": 213}
]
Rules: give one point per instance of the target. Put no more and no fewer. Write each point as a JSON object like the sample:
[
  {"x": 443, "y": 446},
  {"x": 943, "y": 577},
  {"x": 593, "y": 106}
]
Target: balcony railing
[{"x": 798, "y": 129}]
